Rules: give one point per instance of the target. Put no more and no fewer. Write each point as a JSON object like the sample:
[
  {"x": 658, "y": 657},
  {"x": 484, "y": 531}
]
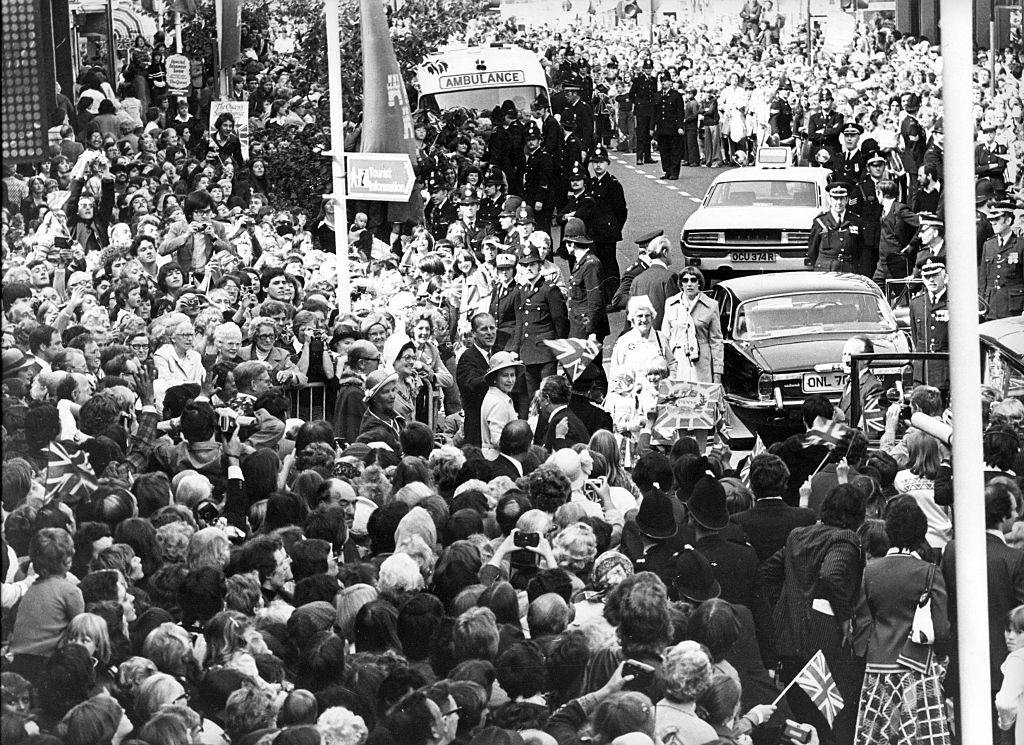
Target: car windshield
[
  {"x": 791, "y": 315},
  {"x": 764, "y": 194}
]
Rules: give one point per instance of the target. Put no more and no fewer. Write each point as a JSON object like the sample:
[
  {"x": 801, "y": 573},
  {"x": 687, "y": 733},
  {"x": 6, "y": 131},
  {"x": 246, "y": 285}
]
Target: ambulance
[{"x": 480, "y": 78}]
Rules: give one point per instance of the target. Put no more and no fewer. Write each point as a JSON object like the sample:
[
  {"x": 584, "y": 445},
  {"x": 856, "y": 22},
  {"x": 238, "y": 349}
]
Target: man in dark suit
[
  {"x": 929, "y": 325},
  {"x": 559, "y": 427},
  {"x": 657, "y": 282},
  {"x": 1005, "y": 577},
  {"x": 513, "y": 448},
  {"x": 897, "y": 228},
  {"x": 642, "y": 94},
  {"x": 668, "y": 126},
  {"x": 470, "y": 372},
  {"x": 587, "y": 390},
  {"x": 770, "y": 520},
  {"x": 871, "y": 411},
  {"x": 913, "y": 141}
]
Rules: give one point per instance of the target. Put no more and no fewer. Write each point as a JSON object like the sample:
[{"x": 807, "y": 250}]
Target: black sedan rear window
[{"x": 792, "y": 315}]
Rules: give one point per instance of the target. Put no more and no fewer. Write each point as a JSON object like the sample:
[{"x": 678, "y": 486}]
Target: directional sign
[{"x": 379, "y": 177}]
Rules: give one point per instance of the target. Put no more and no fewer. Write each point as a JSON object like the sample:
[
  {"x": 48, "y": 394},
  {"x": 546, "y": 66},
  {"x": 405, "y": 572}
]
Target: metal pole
[
  {"x": 992, "y": 46},
  {"x": 810, "y": 38},
  {"x": 177, "y": 32},
  {"x": 968, "y": 463},
  {"x": 111, "y": 44},
  {"x": 338, "y": 155}
]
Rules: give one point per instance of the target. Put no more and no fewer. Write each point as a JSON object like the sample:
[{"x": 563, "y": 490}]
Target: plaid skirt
[{"x": 902, "y": 708}]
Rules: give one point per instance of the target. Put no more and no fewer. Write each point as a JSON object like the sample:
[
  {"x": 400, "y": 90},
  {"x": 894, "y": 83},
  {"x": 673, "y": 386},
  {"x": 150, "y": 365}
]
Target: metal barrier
[{"x": 309, "y": 402}]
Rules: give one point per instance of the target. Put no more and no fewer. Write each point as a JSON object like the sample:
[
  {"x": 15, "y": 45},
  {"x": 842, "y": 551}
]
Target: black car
[{"x": 784, "y": 337}]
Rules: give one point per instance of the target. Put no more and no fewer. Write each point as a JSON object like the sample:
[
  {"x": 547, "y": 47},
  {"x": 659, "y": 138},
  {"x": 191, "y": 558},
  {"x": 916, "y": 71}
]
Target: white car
[{"x": 756, "y": 218}]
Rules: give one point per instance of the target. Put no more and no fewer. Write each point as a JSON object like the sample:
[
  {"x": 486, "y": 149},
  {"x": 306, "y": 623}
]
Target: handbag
[{"x": 917, "y": 651}]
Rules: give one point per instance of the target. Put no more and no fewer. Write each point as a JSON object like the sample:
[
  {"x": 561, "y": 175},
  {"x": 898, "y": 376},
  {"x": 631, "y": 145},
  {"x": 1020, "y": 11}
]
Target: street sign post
[{"x": 379, "y": 177}]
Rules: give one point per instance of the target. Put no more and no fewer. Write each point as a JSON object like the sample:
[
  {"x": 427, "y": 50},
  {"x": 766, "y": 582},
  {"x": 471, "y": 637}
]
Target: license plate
[
  {"x": 824, "y": 382},
  {"x": 754, "y": 256}
]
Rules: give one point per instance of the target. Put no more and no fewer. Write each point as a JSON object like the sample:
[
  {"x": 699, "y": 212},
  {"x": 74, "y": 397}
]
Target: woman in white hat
[
  {"x": 636, "y": 349},
  {"x": 497, "y": 409},
  {"x": 380, "y": 422}
]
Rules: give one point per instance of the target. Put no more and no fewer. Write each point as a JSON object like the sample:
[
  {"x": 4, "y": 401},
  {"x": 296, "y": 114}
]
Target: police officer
[
  {"x": 912, "y": 140},
  {"x": 1001, "y": 274},
  {"x": 542, "y": 315},
  {"x": 440, "y": 211},
  {"x": 579, "y": 205},
  {"x": 583, "y": 113},
  {"x": 474, "y": 229},
  {"x": 643, "y": 95},
  {"x": 506, "y": 232},
  {"x": 668, "y": 126},
  {"x": 494, "y": 197},
  {"x": 505, "y": 301},
  {"x": 824, "y": 126},
  {"x": 932, "y": 235},
  {"x": 864, "y": 202},
  {"x": 550, "y": 130},
  {"x": 610, "y": 213},
  {"x": 835, "y": 243},
  {"x": 571, "y": 154},
  {"x": 780, "y": 117},
  {"x": 988, "y": 158},
  {"x": 850, "y": 162},
  {"x": 586, "y": 306},
  {"x": 539, "y": 178},
  {"x": 929, "y": 324}
]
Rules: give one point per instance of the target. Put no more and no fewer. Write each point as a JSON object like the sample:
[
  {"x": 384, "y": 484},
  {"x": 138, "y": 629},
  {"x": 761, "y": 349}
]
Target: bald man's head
[{"x": 548, "y": 614}]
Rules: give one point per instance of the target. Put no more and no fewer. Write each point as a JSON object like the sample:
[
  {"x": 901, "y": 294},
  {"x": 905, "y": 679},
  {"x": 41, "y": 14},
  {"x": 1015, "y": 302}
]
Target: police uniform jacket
[
  {"x": 517, "y": 135},
  {"x": 668, "y": 116},
  {"x": 823, "y": 129},
  {"x": 864, "y": 202},
  {"x": 542, "y": 317},
  {"x": 987, "y": 162},
  {"x": 643, "y": 93},
  {"x": 850, "y": 164},
  {"x": 610, "y": 209},
  {"x": 780, "y": 120},
  {"x": 582, "y": 206},
  {"x": 927, "y": 253},
  {"x": 621, "y": 297},
  {"x": 499, "y": 153},
  {"x": 439, "y": 216},
  {"x": 551, "y": 137},
  {"x": 929, "y": 327},
  {"x": 489, "y": 211},
  {"x": 572, "y": 152},
  {"x": 505, "y": 302},
  {"x": 584, "y": 123},
  {"x": 538, "y": 179},
  {"x": 1001, "y": 278},
  {"x": 586, "y": 307},
  {"x": 475, "y": 233},
  {"x": 833, "y": 239}
]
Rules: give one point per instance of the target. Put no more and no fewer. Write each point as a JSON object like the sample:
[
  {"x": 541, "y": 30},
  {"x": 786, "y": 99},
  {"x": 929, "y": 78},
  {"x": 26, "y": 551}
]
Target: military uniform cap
[
  {"x": 1000, "y": 209},
  {"x": 933, "y": 265},
  {"x": 930, "y": 218},
  {"x": 572, "y": 83},
  {"x": 648, "y": 237},
  {"x": 852, "y": 128},
  {"x": 838, "y": 187},
  {"x": 505, "y": 260},
  {"x": 876, "y": 157},
  {"x": 988, "y": 127}
]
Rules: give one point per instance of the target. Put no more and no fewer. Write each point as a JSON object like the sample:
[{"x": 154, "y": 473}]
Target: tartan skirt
[{"x": 902, "y": 708}]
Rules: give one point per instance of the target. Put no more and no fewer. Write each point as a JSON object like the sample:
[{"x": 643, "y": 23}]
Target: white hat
[{"x": 638, "y": 303}]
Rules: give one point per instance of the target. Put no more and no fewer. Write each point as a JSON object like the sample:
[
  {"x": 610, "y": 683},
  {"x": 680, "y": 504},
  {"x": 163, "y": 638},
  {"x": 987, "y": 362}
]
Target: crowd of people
[{"x": 233, "y": 513}]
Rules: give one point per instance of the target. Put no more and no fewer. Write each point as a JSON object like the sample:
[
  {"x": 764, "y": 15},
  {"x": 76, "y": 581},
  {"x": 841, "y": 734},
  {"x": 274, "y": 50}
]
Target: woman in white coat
[
  {"x": 497, "y": 409},
  {"x": 176, "y": 361}
]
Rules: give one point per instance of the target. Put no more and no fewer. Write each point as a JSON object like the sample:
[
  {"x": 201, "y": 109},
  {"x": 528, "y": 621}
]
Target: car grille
[
  {"x": 705, "y": 238},
  {"x": 796, "y": 237},
  {"x": 748, "y": 236}
]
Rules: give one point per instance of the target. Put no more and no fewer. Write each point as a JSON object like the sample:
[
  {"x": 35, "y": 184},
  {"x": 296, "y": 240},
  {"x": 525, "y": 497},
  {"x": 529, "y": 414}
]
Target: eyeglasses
[
  {"x": 140, "y": 347},
  {"x": 265, "y": 337}
]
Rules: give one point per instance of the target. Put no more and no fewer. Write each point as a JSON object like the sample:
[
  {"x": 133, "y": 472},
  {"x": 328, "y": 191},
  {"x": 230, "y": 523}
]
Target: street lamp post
[{"x": 338, "y": 186}]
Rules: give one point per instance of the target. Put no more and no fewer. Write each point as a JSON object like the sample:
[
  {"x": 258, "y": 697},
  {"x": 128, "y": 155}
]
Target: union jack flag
[
  {"x": 830, "y": 437},
  {"x": 68, "y": 474},
  {"x": 817, "y": 682},
  {"x": 573, "y": 354}
]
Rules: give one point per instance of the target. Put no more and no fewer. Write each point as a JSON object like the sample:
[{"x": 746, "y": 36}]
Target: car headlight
[{"x": 766, "y": 386}]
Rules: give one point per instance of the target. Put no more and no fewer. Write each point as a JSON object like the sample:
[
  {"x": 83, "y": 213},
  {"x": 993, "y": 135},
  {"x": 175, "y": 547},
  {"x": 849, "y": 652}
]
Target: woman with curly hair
[
  {"x": 687, "y": 675},
  {"x": 549, "y": 488}
]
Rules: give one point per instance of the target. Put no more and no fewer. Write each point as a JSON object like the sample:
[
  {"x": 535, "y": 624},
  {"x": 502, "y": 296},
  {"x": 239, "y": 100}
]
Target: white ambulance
[{"x": 480, "y": 78}]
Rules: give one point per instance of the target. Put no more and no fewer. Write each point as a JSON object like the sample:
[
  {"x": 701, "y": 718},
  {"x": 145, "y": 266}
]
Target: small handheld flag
[
  {"x": 817, "y": 682},
  {"x": 573, "y": 354}
]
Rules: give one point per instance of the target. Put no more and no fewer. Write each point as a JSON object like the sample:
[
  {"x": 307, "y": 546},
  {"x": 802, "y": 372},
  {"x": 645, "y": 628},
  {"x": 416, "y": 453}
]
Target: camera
[
  {"x": 526, "y": 540},
  {"x": 643, "y": 675},
  {"x": 893, "y": 395},
  {"x": 796, "y": 733},
  {"x": 60, "y": 241}
]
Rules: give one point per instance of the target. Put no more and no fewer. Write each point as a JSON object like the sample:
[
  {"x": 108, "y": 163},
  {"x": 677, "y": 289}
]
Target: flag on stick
[
  {"x": 573, "y": 354},
  {"x": 830, "y": 436},
  {"x": 68, "y": 474},
  {"x": 817, "y": 682}
]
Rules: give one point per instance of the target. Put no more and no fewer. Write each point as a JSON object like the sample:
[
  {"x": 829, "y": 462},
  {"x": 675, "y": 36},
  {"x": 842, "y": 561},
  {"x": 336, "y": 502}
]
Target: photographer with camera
[
  {"x": 194, "y": 241},
  {"x": 924, "y": 399}
]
